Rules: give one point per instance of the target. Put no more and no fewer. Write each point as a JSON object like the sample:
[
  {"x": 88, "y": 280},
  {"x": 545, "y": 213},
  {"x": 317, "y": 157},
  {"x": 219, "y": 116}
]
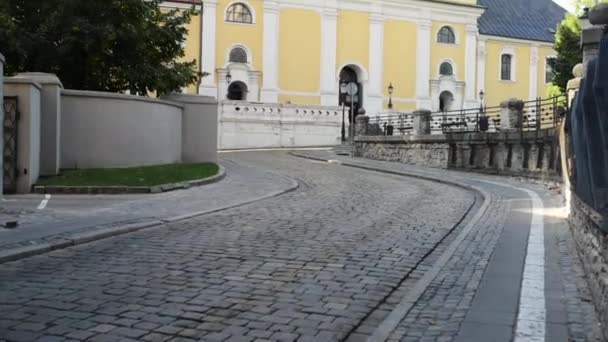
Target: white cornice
[
  {"x": 404, "y": 9},
  {"x": 179, "y": 5},
  {"x": 484, "y": 37}
]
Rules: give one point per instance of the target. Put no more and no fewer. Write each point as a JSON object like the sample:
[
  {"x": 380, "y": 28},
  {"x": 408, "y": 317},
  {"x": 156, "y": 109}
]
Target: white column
[
  {"x": 423, "y": 64},
  {"x": 470, "y": 67},
  {"x": 208, "y": 85},
  {"x": 376, "y": 60},
  {"x": 481, "y": 66},
  {"x": 270, "y": 72},
  {"x": 329, "y": 44},
  {"x": 533, "y": 73}
]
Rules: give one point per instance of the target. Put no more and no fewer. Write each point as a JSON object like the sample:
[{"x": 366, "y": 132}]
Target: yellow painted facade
[
  {"x": 353, "y": 38},
  {"x": 300, "y": 55},
  {"x": 231, "y": 34},
  {"x": 400, "y": 61},
  {"x": 498, "y": 90},
  {"x": 451, "y": 52}
]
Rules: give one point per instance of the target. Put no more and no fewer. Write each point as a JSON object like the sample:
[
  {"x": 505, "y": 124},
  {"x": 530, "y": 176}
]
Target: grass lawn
[{"x": 133, "y": 176}]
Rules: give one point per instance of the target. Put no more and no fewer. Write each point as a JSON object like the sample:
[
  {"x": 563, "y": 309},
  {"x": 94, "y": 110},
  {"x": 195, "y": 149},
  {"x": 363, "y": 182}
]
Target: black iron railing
[{"x": 535, "y": 115}]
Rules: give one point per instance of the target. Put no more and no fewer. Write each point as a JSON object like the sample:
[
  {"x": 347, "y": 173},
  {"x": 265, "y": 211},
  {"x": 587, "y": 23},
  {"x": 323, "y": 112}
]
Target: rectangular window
[
  {"x": 505, "y": 67},
  {"x": 549, "y": 70}
]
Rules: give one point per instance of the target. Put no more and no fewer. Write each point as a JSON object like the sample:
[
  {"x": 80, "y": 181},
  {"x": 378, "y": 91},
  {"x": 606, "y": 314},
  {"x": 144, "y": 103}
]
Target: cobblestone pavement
[
  {"x": 311, "y": 265},
  {"x": 328, "y": 262},
  {"x": 68, "y": 214},
  {"x": 440, "y": 313}
]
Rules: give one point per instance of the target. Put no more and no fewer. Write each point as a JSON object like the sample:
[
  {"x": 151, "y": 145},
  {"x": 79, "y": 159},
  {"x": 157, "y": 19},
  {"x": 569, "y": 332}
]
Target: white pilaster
[
  {"x": 533, "y": 73},
  {"x": 270, "y": 87},
  {"x": 481, "y": 66},
  {"x": 208, "y": 85},
  {"x": 329, "y": 44},
  {"x": 376, "y": 59},
  {"x": 423, "y": 64},
  {"x": 470, "y": 67}
]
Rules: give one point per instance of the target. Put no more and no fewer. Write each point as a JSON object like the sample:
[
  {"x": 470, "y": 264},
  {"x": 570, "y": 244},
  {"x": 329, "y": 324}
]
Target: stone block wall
[
  {"x": 529, "y": 154},
  {"x": 592, "y": 243}
]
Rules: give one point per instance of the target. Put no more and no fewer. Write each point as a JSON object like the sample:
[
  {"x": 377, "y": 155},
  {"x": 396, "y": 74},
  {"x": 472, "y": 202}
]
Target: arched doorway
[
  {"x": 237, "y": 91},
  {"x": 445, "y": 101},
  {"x": 348, "y": 74}
]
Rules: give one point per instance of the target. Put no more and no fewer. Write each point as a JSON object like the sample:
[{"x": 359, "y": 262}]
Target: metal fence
[{"x": 537, "y": 114}]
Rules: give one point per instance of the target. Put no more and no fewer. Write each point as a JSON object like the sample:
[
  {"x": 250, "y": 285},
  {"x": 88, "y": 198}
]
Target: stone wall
[
  {"x": 2, "y": 120},
  {"x": 592, "y": 243},
  {"x": 531, "y": 154}
]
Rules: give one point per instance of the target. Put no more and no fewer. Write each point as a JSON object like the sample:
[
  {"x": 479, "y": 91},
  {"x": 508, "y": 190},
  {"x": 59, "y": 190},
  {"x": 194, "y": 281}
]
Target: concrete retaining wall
[
  {"x": 101, "y": 130},
  {"x": 530, "y": 154}
]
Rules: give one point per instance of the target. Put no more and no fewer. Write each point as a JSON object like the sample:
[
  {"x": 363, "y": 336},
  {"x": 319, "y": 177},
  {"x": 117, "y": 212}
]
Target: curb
[
  {"x": 117, "y": 190},
  {"x": 86, "y": 237}
]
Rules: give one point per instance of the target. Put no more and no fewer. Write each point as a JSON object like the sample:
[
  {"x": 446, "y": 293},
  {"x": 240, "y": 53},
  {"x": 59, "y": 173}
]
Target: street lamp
[
  {"x": 391, "y": 89},
  {"x": 228, "y": 77},
  {"x": 482, "y": 121},
  {"x": 343, "y": 93}
]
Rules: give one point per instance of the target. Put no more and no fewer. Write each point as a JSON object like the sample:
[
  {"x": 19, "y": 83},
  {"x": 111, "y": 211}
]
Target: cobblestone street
[{"x": 330, "y": 261}]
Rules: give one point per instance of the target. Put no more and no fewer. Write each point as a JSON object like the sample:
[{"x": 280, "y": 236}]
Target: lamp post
[
  {"x": 343, "y": 93},
  {"x": 482, "y": 122},
  {"x": 391, "y": 89},
  {"x": 228, "y": 77}
]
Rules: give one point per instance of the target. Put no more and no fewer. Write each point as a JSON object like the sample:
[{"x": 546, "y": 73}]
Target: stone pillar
[
  {"x": 28, "y": 133},
  {"x": 270, "y": 87},
  {"x": 208, "y": 85},
  {"x": 2, "y": 120},
  {"x": 592, "y": 34},
  {"x": 422, "y": 121},
  {"x": 575, "y": 83},
  {"x": 362, "y": 125},
  {"x": 511, "y": 114},
  {"x": 50, "y": 120}
]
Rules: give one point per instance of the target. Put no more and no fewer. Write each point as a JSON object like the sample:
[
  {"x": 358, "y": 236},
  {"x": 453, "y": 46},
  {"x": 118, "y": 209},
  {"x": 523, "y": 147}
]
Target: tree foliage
[
  {"x": 567, "y": 45},
  {"x": 106, "y": 45}
]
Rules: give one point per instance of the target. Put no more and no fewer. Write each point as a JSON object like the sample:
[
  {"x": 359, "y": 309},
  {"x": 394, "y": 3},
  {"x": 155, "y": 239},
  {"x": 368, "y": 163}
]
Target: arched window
[
  {"x": 446, "y": 69},
  {"x": 238, "y": 55},
  {"x": 239, "y": 13},
  {"x": 506, "y": 61},
  {"x": 446, "y": 35}
]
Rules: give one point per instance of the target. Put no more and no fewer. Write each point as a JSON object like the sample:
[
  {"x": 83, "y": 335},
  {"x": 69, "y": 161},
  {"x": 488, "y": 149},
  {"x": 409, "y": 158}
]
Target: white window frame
[
  {"x": 508, "y": 50},
  {"x": 547, "y": 58},
  {"x": 456, "y": 36},
  {"x": 251, "y": 10},
  {"x": 242, "y": 46},
  {"x": 450, "y": 62}
]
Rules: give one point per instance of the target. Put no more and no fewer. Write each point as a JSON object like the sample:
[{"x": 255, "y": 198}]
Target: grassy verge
[{"x": 133, "y": 176}]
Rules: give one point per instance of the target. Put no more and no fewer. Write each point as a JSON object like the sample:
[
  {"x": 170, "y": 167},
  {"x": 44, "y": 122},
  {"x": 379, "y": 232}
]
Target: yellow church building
[{"x": 436, "y": 54}]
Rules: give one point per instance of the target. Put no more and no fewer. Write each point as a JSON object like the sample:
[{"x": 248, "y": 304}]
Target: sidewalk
[
  {"x": 65, "y": 217},
  {"x": 514, "y": 276}
]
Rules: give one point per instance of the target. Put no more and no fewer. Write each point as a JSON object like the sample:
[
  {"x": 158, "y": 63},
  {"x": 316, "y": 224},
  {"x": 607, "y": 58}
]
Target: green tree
[
  {"x": 567, "y": 46},
  {"x": 106, "y": 45}
]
